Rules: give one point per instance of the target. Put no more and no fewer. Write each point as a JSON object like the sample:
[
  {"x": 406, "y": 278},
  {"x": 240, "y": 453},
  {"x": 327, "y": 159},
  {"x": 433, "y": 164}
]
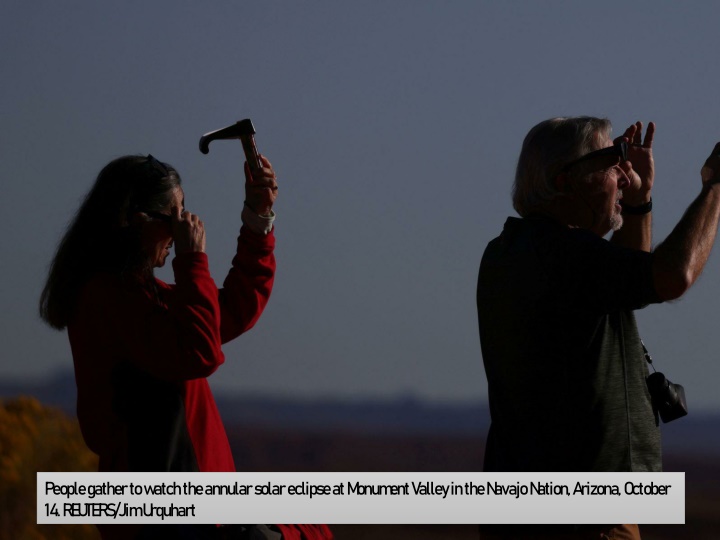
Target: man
[{"x": 563, "y": 358}]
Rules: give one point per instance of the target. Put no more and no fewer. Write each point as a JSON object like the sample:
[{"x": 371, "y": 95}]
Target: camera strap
[{"x": 647, "y": 356}]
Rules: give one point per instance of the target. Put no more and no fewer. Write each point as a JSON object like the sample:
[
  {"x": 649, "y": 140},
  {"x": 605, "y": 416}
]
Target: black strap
[
  {"x": 637, "y": 210},
  {"x": 647, "y": 355}
]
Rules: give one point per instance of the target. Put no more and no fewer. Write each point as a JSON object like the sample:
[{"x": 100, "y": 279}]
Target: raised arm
[
  {"x": 636, "y": 232},
  {"x": 247, "y": 287},
  {"x": 680, "y": 259}
]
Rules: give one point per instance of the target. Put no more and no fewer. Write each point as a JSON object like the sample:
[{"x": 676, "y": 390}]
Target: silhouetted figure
[
  {"x": 142, "y": 348},
  {"x": 563, "y": 358}
]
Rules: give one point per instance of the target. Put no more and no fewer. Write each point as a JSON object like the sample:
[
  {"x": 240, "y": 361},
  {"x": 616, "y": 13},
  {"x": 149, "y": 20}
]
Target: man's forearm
[{"x": 680, "y": 259}]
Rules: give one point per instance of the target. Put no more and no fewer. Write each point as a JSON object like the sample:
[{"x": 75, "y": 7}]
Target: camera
[{"x": 668, "y": 398}]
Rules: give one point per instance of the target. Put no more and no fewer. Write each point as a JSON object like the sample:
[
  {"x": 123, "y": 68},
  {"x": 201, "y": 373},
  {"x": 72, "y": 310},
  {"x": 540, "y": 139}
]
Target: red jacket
[{"x": 143, "y": 351}]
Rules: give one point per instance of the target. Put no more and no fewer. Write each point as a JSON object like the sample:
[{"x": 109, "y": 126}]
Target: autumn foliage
[{"x": 37, "y": 438}]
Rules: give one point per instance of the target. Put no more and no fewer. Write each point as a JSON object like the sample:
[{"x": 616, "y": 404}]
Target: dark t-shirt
[{"x": 562, "y": 354}]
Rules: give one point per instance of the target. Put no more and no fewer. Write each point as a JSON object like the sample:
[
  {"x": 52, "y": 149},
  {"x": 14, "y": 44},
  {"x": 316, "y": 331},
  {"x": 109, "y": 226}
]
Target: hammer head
[{"x": 238, "y": 130}]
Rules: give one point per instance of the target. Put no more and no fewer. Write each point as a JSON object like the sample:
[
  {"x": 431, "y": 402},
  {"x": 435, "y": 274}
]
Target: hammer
[{"x": 242, "y": 130}]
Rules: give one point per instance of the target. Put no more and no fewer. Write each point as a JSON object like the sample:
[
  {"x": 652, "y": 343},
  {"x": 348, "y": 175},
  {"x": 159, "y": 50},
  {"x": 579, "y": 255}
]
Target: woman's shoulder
[
  {"x": 112, "y": 295},
  {"x": 99, "y": 286},
  {"x": 108, "y": 287},
  {"x": 96, "y": 300}
]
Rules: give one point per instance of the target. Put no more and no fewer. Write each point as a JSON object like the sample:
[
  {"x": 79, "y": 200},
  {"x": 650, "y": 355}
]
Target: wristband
[{"x": 637, "y": 210}]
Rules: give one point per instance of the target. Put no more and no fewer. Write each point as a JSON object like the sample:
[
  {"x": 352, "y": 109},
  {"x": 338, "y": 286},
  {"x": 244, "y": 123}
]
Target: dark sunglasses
[
  {"x": 618, "y": 149},
  {"x": 157, "y": 215}
]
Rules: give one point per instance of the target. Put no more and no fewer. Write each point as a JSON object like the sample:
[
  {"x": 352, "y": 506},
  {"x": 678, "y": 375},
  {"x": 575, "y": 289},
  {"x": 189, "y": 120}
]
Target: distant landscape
[{"x": 272, "y": 434}]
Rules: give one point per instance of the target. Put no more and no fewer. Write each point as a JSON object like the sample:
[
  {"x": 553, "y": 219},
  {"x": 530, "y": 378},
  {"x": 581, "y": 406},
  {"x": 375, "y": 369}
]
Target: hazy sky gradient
[{"x": 394, "y": 128}]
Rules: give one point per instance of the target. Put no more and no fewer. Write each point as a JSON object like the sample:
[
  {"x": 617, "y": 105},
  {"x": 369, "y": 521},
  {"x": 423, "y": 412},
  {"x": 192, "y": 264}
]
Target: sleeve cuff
[
  {"x": 257, "y": 223},
  {"x": 190, "y": 266}
]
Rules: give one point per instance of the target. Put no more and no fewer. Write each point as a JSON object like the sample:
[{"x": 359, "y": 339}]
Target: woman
[{"x": 142, "y": 348}]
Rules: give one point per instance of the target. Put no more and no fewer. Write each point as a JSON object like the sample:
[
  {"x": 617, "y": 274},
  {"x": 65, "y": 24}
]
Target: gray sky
[{"x": 394, "y": 128}]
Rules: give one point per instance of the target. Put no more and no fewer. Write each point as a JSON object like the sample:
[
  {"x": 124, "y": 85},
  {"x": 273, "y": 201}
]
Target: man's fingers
[
  {"x": 637, "y": 138},
  {"x": 711, "y": 165},
  {"x": 629, "y": 133},
  {"x": 621, "y": 138},
  {"x": 649, "y": 135},
  {"x": 714, "y": 157}
]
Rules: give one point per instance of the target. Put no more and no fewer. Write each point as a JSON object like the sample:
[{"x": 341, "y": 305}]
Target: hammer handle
[{"x": 251, "y": 151}]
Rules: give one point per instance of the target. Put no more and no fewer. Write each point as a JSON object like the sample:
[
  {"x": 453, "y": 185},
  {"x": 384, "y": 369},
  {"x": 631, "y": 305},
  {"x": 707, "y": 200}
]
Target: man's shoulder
[
  {"x": 540, "y": 234},
  {"x": 539, "y": 258},
  {"x": 540, "y": 225}
]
